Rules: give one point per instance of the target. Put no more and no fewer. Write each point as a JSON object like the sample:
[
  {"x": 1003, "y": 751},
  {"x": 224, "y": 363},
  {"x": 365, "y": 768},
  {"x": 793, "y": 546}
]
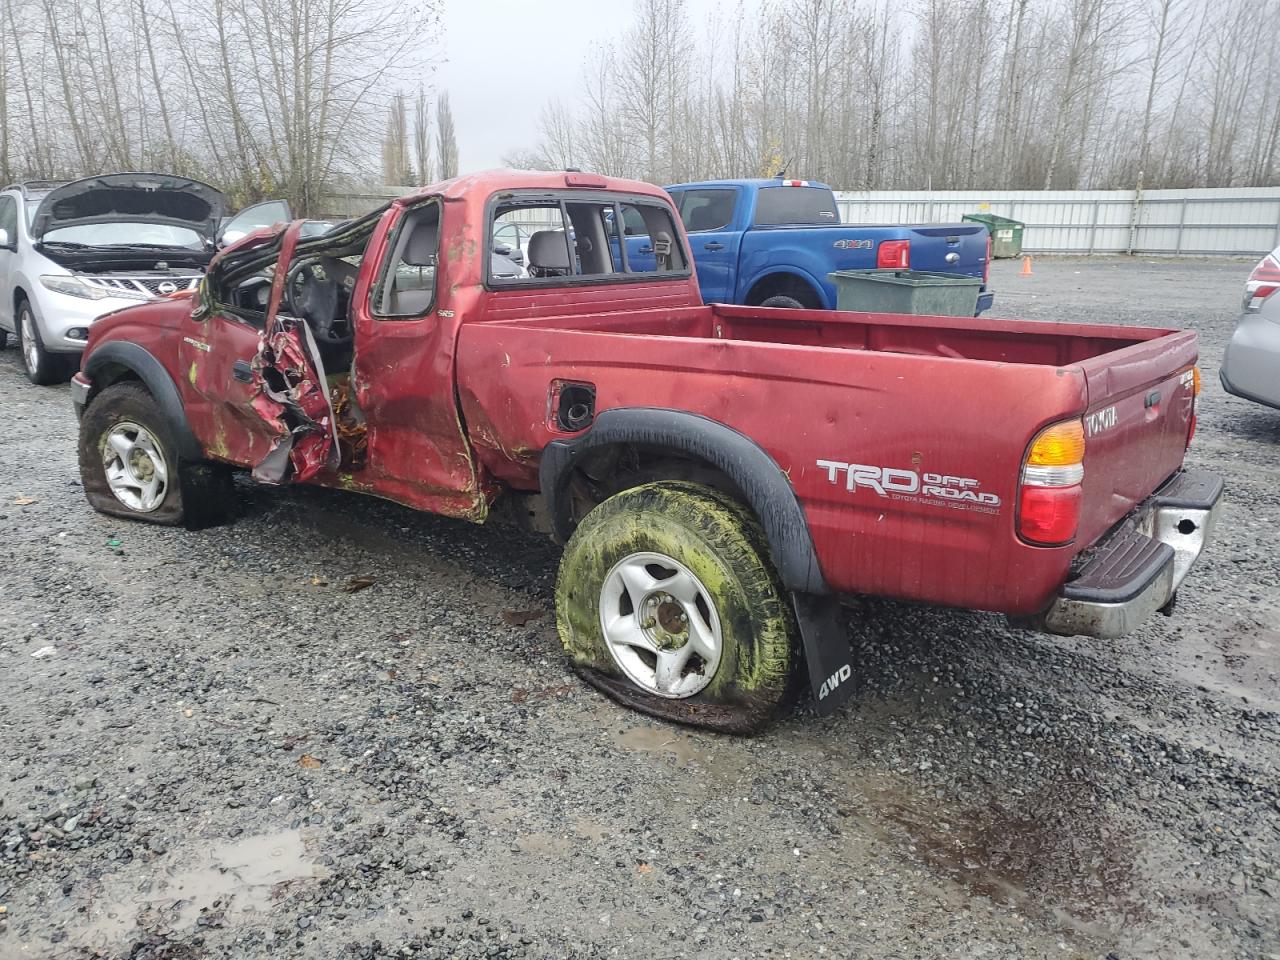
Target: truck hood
[{"x": 159, "y": 198}]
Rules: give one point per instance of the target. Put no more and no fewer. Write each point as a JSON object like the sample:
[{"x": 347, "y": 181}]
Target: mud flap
[
  {"x": 826, "y": 649},
  {"x": 293, "y": 398}
]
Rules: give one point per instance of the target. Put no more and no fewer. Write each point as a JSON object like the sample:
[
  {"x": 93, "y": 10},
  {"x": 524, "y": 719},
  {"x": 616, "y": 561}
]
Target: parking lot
[{"x": 217, "y": 747}]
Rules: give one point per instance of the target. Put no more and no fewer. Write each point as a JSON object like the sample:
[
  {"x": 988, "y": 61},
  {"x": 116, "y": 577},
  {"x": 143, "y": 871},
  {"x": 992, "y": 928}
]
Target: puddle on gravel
[
  {"x": 239, "y": 877},
  {"x": 1250, "y": 666},
  {"x": 1063, "y": 861},
  {"x": 660, "y": 740}
]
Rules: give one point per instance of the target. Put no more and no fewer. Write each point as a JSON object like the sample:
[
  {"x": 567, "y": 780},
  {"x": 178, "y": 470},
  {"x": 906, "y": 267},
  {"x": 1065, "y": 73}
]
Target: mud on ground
[{"x": 213, "y": 750}]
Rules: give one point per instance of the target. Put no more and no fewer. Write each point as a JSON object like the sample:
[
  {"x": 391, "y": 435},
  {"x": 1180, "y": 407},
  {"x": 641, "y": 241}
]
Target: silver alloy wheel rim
[
  {"x": 30, "y": 349},
  {"x": 660, "y": 625},
  {"x": 135, "y": 467}
]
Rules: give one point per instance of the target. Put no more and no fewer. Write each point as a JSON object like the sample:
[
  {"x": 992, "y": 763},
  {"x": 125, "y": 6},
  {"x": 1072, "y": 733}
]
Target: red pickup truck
[{"x": 720, "y": 475}]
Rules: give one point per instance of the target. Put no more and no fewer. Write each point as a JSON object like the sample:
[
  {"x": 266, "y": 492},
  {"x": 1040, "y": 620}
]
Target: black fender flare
[
  {"x": 765, "y": 487},
  {"x": 131, "y": 356}
]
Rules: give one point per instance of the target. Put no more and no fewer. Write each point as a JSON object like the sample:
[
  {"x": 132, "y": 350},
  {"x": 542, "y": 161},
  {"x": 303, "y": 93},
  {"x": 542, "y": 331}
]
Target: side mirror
[
  {"x": 502, "y": 250},
  {"x": 4, "y": 239}
]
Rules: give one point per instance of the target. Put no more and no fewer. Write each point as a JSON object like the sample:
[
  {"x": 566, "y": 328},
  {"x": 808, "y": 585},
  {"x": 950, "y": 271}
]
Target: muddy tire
[
  {"x": 130, "y": 467},
  {"x": 43, "y": 368},
  {"x": 666, "y": 601},
  {"x": 786, "y": 303},
  {"x": 4, "y": 338}
]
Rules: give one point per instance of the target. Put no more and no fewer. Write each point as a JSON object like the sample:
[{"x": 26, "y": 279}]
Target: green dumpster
[
  {"x": 918, "y": 292},
  {"x": 1006, "y": 234}
]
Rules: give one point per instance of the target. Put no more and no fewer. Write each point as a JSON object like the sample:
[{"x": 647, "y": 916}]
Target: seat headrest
[
  {"x": 420, "y": 249},
  {"x": 701, "y": 218},
  {"x": 547, "y": 250}
]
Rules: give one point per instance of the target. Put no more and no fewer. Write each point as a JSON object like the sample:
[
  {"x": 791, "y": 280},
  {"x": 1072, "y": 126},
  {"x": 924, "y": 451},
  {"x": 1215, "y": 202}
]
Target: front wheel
[
  {"x": 665, "y": 601},
  {"x": 43, "y": 368},
  {"x": 130, "y": 467}
]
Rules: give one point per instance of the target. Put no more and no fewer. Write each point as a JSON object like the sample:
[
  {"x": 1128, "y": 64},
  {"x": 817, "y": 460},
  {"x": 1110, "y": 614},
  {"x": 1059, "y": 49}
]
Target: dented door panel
[
  {"x": 418, "y": 452},
  {"x": 216, "y": 352}
]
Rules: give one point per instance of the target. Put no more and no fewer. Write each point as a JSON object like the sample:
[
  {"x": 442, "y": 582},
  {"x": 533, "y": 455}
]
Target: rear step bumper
[{"x": 1138, "y": 568}]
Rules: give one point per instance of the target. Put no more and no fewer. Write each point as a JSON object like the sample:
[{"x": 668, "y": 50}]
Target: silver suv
[{"x": 72, "y": 252}]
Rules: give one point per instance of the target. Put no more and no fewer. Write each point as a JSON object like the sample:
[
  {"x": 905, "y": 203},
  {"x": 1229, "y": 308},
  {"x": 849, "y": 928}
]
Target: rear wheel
[
  {"x": 43, "y": 368},
  {"x": 665, "y": 601},
  {"x": 786, "y": 303}
]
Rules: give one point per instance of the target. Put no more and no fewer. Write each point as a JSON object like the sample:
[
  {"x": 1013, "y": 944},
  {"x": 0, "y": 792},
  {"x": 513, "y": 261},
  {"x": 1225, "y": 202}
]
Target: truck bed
[
  {"x": 949, "y": 396},
  {"x": 961, "y": 338}
]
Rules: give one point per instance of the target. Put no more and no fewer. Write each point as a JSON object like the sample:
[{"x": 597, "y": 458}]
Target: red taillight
[
  {"x": 1262, "y": 283},
  {"x": 1049, "y": 514},
  {"x": 986, "y": 267},
  {"x": 1052, "y": 474},
  {"x": 893, "y": 255}
]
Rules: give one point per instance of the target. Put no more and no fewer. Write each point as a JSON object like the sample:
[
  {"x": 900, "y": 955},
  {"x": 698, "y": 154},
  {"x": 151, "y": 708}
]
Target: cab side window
[
  {"x": 583, "y": 239},
  {"x": 408, "y": 284},
  {"x": 706, "y": 210}
]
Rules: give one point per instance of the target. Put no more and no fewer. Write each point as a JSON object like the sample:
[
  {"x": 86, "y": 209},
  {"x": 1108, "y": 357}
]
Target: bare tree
[
  {"x": 446, "y": 139},
  {"x": 948, "y": 93},
  {"x": 605, "y": 143},
  {"x": 558, "y": 137},
  {"x": 396, "y": 168},
  {"x": 259, "y": 96},
  {"x": 422, "y": 139},
  {"x": 649, "y": 73}
]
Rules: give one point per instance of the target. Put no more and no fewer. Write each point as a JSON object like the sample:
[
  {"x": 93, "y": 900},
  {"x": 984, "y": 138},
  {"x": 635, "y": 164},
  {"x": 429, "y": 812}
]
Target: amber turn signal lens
[
  {"x": 1195, "y": 375},
  {"x": 1059, "y": 445}
]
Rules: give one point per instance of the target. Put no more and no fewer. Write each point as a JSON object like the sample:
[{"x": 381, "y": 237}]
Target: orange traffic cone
[{"x": 1026, "y": 267}]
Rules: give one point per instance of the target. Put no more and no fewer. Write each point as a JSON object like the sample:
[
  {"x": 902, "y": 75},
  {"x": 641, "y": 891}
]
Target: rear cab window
[
  {"x": 784, "y": 205},
  {"x": 539, "y": 239}
]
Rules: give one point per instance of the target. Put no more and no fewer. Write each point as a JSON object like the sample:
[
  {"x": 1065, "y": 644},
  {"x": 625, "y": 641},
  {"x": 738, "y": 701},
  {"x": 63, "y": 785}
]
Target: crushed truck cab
[{"x": 535, "y": 345}]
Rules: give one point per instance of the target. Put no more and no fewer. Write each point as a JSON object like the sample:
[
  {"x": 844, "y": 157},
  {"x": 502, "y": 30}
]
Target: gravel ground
[{"x": 214, "y": 750}]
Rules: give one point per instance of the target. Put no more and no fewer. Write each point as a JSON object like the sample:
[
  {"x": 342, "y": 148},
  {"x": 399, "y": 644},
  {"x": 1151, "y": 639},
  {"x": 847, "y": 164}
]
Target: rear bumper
[
  {"x": 1252, "y": 357},
  {"x": 1138, "y": 568}
]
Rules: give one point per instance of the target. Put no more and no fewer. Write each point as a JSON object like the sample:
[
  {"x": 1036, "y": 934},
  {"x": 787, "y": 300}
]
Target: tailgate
[
  {"x": 1141, "y": 403},
  {"x": 931, "y": 245}
]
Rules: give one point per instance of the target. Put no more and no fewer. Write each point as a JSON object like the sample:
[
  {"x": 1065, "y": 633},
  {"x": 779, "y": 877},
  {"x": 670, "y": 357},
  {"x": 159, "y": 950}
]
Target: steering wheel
[{"x": 311, "y": 293}]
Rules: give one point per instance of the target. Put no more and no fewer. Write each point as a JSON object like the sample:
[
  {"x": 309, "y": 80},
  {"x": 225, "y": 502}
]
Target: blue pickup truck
[{"x": 772, "y": 243}]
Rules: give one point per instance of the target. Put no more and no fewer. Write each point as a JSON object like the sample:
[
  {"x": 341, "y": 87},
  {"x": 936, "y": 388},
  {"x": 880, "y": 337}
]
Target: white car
[
  {"x": 1251, "y": 365},
  {"x": 72, "y": 252}
]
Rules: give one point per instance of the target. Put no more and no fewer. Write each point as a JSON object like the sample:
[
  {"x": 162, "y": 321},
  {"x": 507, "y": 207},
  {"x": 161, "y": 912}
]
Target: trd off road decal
[{"x": 935, "y": 489}]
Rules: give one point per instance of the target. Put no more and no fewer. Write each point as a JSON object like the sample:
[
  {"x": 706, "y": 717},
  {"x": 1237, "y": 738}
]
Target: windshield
[
  {"x": 126, "y": 234},
  {"x": 778, "y": 205}
]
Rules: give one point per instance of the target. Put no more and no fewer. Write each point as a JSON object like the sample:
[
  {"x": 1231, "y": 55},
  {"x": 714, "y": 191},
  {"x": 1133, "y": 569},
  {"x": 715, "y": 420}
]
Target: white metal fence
[
  {"x": 1237, "y": 220},
  {"x": 1240, "y": 220}
]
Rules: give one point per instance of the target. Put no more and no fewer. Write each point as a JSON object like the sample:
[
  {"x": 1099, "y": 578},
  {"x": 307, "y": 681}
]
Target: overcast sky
[{"x": 504, "y": 59}]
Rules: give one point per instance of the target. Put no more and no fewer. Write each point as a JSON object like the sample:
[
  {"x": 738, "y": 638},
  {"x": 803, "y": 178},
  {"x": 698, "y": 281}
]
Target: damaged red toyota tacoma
[{"x": 720, "y": 475}]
